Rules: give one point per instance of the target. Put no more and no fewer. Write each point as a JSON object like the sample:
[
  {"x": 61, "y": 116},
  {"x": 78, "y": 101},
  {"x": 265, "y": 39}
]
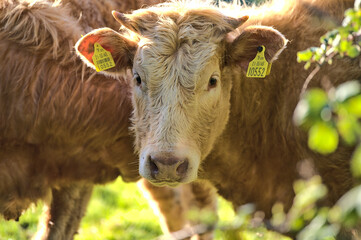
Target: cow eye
[
  {"x": 137, "y": 79},
  {"x": 212, "y": 82}
]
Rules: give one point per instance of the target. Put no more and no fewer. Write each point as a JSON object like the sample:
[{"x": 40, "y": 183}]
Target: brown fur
[
  {"x": 46, "y": 116},
  {"x": 63, "y": 127},
  {"x": 260, "y": 138},
  {"x": 241, "y": 137}
]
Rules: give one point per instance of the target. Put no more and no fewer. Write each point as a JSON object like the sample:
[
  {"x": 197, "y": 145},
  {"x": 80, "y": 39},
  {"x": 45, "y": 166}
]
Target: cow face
[{"x": 181, "y": 96}]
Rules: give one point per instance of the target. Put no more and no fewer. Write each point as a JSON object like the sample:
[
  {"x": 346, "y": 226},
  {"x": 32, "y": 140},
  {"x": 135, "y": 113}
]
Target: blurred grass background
[{"x": 117, "y": 211}]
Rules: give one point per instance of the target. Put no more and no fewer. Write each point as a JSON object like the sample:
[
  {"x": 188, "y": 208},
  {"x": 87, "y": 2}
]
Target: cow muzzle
[{"x": 169, "y": 168}]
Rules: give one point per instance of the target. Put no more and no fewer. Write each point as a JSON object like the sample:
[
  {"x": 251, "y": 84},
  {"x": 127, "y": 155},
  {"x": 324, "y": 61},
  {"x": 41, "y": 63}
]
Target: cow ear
[
  {"x": 139, "y": 21},
  {"x": 242, "y": 47},
  {"x": 121, "y": 48}
]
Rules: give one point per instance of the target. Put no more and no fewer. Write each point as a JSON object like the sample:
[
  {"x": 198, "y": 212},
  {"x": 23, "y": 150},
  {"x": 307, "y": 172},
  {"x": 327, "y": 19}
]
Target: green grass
[{"x": 117, "y": 211}]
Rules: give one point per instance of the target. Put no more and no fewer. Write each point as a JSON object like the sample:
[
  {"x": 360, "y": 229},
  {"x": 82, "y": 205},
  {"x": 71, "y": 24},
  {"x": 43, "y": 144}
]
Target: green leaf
[
  {"x": 331, "y": 34},
  {"x": 345, "y": 45},
  {"x": 323, "y": 138},
  {"x": 344, "y": 31},
  {"x": 278, "y": 214},
  {"x": 357, "y": 4},
  {"x": 297, "y": 224},
  {"x": 347, "y": 21},
  {"x": 312, "y": 191},
  {"x": 346, "y": 127},
  {"x": 308, "y": 110},
  {"x": 349, "y": 205},
  {"x": 351, "y": 219},
  {"x": 334, "y": 215},
  {"x": 350, "y": 12},
  {"x": 301, "y": 116},
  {"x": 353, "y": 106},
  {"x": 319, "y": 54},
  {"x": 353, "y": 51},
  {"x": 314, "y": 228},
  {"x": 356, "y": 162},
  {"x": 307, "y": 65},
  {"x": 347, "y": 90},
  {"x": 317, "y": 99},
  {"x": 336, "y": 41},
  {"x": 304, "y": 56}
]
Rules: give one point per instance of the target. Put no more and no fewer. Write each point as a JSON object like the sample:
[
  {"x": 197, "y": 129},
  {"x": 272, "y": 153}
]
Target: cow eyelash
[
  {"x": 212, "y": 82},
  {"x": 137, "y": 79}
]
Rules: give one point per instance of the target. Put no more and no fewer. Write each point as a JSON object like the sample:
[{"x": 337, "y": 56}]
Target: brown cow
[
  {"x": 196, "y": 113},
  {"x": 63, "y": 127}
]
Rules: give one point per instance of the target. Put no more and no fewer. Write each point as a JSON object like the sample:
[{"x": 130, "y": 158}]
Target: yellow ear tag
[
  {"x": 259, "y": 67},
  {"x": 269, "y": 69},
  {"x": 102, "y": 58}
]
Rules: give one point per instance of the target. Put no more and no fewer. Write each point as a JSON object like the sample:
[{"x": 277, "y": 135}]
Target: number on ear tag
[
  {"x": 102, "y": 58},
  {"x": 258, "y": 67}
]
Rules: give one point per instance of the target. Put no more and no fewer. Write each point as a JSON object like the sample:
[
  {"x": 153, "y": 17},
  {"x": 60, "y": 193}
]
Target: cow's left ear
[
  {"x": 242, "y": 47},
  {"x": 107, "y": 51}
]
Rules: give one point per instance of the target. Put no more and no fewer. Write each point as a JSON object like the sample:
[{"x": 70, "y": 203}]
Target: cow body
[
  {"x": 260, "y": 151},
  {"x": 45, "y": 118},
  {"x": 63, "y": 127},
  {"x": 196, "y": 113}
]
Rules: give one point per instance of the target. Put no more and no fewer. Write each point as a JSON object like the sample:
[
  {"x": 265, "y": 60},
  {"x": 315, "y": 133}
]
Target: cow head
[{"x": 181, "y": 90}]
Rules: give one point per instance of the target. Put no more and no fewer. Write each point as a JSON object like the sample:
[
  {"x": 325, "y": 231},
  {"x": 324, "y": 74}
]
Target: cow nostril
[
  {"x": 153, "y": 167},
  {"x": 182, "y": 168}
]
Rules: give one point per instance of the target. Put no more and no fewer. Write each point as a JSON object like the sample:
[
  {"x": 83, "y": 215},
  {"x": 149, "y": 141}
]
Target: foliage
[
  {"x": 342, "y": 41},
  {"x": 330, "y": 114},
  {"x": 337, "y": 111}
]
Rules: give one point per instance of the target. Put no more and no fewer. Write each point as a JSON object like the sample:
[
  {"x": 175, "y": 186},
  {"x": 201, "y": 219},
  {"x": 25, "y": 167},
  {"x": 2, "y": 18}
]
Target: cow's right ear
[
  {"x": 121, "y": 49},
  {"x": 243, "y": 45}
]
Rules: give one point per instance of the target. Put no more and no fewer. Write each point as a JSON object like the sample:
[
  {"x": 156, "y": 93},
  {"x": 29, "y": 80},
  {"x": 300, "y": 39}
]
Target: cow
[
  {"x": 196, "y": 113},
  {"x": 63, "y": 126}
]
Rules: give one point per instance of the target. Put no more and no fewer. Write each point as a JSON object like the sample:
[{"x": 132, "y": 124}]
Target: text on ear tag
[
  {"x": 258, "y": 67},
  {"x": 102, "y": 58}
]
